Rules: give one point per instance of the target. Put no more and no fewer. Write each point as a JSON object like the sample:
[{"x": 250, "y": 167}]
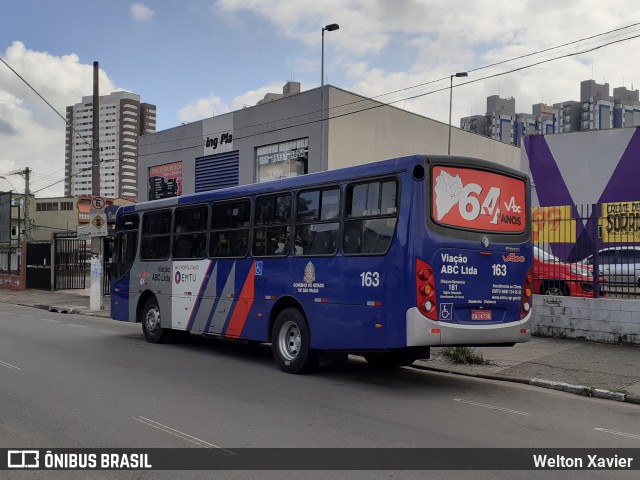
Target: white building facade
[{"x": 123, "y": 118}]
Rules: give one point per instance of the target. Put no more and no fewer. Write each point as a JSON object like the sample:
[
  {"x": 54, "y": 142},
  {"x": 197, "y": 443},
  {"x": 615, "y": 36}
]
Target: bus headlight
[{"x": 428, "y": 305}]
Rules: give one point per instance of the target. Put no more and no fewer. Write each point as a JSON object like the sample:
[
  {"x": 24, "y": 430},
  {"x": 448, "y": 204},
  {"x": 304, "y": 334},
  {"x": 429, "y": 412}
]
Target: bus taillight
[
  {"x": 426, "y": 290},
  {"x": 527, "y": 294}
]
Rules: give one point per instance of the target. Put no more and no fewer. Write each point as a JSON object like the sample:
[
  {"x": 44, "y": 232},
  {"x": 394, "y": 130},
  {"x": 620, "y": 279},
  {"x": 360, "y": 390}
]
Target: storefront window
[{"x": 282, "y": 160}]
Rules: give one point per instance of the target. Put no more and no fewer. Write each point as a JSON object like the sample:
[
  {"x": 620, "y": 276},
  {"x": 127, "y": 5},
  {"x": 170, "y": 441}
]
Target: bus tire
[
  {"x": 394, "y": 359},
  {"x": 291, "y": 342},
  {"x": 151, "y": 325}
]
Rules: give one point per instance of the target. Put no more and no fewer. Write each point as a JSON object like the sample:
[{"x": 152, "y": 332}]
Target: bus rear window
[{"x": 478, "y": 200}]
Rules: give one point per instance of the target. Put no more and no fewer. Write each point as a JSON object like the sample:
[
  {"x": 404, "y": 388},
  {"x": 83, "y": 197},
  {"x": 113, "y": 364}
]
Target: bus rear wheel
[
  {"x": 291, "y": 342},
  {"x": 151, "y": 325},
  {"x": 393, "y": 359}
]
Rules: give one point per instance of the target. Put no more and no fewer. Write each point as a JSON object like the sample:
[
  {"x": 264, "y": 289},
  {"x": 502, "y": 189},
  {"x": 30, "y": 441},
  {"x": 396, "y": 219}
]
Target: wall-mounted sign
[
  {"x": 218, "y": 143},
  {"x": 620, "y": 222},
  {"x": 110, "y": 212},
  {"x": 165, "y": 181},
  {"x": 282, "y": 160}
]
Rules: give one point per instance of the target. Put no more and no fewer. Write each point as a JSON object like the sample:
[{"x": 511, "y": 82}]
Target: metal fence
[{"x": 573, "y": 242}]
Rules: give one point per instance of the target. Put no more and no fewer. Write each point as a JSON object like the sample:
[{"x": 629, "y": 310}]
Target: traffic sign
[
  {"x": 98, "y": 203},
  {"x": 98, "y": 224}
]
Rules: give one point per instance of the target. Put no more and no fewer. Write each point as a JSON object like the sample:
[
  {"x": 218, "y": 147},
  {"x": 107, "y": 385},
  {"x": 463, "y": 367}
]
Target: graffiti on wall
[
  {"x": 9, "y": 281},
  {"x": 553, "y": 225},
  {"x": 620, "y": 222}
]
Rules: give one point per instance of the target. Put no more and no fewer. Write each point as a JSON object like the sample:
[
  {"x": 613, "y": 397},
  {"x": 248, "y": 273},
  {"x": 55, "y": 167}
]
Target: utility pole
[
  {"x": 95, "y": 299},
  {"x": 26, "y": 174},
  {"x": 27, "y": 193}
]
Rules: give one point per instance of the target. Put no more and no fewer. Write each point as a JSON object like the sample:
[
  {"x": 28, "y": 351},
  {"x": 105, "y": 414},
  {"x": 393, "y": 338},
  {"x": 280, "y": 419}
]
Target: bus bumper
[{"x": 422, "y": 331}]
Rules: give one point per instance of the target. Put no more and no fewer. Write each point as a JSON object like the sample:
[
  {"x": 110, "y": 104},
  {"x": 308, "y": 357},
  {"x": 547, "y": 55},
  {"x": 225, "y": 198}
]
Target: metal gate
[
  {"x": 107, "y": 251},
  {"x": 70, "y": 263},
  {"x": 39, "y": 265}
]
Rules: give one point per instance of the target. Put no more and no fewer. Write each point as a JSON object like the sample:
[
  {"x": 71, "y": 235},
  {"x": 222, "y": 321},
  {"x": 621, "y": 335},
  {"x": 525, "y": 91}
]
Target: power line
[
  {"x": 444, "y": 88},
  {"x": 357, "y": 101},
  {"x": 382, "y": 104},
  {"x": 45, "y": 101}
]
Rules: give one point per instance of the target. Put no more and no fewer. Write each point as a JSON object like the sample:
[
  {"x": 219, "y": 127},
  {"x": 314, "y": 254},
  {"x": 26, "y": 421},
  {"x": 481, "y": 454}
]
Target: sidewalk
[
  {"x": 584, "y": 368},
  {"x": 61, "y": 301}
]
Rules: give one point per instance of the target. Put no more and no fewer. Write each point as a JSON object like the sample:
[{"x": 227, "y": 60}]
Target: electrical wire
[{"x": 378, "y": 104}]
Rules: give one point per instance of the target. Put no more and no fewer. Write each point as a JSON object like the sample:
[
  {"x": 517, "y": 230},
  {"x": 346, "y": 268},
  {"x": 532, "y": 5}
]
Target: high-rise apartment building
[
  {"x": 596, "y": 110},
  {"x": 123, "y": 118},
  {"x": 596, "y": 106}
]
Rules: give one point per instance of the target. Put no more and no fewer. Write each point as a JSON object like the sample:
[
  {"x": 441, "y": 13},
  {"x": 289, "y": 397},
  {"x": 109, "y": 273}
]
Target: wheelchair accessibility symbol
[{"x": 446, "y": 309}]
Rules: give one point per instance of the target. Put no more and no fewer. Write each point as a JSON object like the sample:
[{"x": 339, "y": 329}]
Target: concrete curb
[{"x": 536, "y": 382}]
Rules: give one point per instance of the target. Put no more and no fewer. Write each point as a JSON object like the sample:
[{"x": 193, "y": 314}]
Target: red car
[{"x": 552, "y": 276}]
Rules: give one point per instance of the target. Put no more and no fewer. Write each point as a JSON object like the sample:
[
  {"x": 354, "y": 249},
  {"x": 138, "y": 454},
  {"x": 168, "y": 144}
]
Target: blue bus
[{"x": 383, "y": 260}]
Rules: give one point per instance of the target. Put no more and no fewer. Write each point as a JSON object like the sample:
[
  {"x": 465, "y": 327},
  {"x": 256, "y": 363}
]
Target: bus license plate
[{"x": 480, "y": 314}]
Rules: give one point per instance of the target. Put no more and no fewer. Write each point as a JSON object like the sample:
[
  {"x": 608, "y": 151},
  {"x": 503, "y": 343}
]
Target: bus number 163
[
  {"x": 370, "y": 279},
  {"x": 499, "y": 270}
]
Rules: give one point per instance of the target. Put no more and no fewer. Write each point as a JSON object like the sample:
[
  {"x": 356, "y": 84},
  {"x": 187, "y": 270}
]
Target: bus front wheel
[
  {"x": 291, "y": 342},
  {"x": 151, "y": 326}
]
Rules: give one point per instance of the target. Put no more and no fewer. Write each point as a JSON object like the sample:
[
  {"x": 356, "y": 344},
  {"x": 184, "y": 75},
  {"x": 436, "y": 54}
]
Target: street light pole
[
  {"x": 330, "y": 28},
  {"x": 459, "y": 74}
]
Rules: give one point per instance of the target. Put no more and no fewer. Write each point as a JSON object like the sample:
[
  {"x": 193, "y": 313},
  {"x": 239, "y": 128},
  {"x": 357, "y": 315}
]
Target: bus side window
[
  {"x": 370, "y": 218},
  {"x": 272, "y": 227},
  {"x": 156, "y": 235},
  {"x": 190, "y": 232},
  {"x": 352, "y": 241},
  {"x": 317, "y": 222},
  {"x": 230, "y": 222}
]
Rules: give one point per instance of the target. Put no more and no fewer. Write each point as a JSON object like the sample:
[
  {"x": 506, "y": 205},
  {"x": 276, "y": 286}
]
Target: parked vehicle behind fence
[
  {"x": 553, "y": 276},
  {"x": 621, "y": 265}
]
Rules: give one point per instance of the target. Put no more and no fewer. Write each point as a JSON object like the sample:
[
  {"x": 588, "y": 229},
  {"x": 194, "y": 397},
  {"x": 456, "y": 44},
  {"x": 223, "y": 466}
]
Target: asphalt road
[{"x": 78, "y": 381}]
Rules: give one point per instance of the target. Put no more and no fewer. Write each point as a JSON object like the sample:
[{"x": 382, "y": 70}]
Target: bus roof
[{"x": 337, "y": 175}]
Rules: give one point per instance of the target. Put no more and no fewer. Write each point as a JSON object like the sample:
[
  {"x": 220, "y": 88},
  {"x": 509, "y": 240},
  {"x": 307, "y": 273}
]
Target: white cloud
[
  {"x": 139, "y": 11},
  {"x": 202, "y": 108},
  {"x": 212, "y": 105},
  {"x": 387, "y": 46},
  {"x": 31, "y": 133}
]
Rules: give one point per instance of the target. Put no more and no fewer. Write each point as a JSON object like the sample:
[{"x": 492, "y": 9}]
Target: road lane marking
[
  {"x": 184, "y": 436},
  {"x": 9, "y": 366},
  {"x": 613, "y": 432},
  {"x": 492, "y": 407},
  {"x": 50, "y": 320},
  {"x": 26, "y": 316}
]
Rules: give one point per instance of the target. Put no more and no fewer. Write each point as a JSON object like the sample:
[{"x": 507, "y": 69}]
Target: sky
[{"x": 197, "y": 58}]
